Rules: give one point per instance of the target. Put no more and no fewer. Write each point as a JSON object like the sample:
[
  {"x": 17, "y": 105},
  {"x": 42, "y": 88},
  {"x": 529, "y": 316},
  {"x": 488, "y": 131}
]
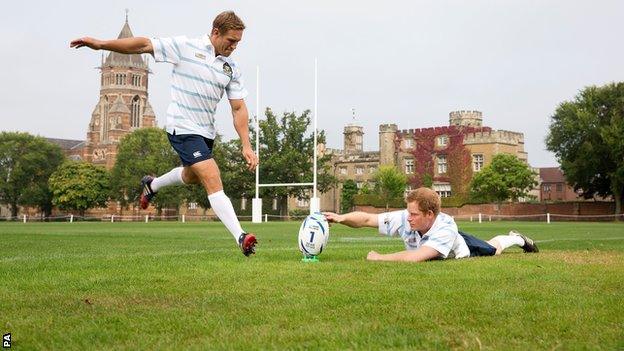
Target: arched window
[
  {"x": 104, "y": 123},
  {"x": 135, "y": 112}
]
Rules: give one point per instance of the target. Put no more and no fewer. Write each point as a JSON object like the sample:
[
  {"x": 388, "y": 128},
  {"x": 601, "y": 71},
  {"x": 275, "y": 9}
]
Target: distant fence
[
  {"x": 145, "y": 218},
  {"x": 476, "y": 217}
]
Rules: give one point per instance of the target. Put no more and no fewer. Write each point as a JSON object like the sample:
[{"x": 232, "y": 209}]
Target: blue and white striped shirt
[
  {"x": 198, "y": 82},
  {"x": 443, "y": 236}
]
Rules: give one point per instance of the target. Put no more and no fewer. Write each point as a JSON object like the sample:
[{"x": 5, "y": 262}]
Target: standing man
[
  {"x": 428, "y": 234},
  {"x": 202, "y": 72}
]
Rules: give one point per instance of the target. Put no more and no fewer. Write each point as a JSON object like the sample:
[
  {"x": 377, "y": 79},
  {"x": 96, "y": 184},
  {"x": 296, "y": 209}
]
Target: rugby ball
[{"x": 313, "y": 235}]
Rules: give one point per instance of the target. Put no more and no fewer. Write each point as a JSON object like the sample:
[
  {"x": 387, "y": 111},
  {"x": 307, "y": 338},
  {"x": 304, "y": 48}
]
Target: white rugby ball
[{"x": 313, "y": 235}]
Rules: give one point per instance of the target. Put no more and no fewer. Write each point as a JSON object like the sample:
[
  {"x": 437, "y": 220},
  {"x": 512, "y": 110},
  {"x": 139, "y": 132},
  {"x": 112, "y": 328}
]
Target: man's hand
[
  {"x": 86, "y": 41},
  {"x": 333, "y": 217},
  {"x": 373, "y": 256},
  {"x": 250, "y": 158}
]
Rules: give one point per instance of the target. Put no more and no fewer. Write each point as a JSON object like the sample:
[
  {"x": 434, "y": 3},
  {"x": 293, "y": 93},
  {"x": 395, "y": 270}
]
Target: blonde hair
[
  {"x": 427, "y": 199},
  {"x": 227, "y": 20}
]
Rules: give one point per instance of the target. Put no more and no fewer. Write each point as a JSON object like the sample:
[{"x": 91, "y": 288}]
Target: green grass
[{"x": 186, "y": 286}]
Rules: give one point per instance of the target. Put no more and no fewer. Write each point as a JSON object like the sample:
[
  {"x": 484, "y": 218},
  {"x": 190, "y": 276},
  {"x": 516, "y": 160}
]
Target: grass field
[{"x": 186, "y": 286}]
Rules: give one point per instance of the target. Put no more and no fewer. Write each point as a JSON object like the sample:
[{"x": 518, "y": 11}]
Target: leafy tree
[
  {"x": 286, "y": 149},
  {"x": 507, "y": 177},
  {"x": 144, "y": 151},
  {"x": 349, "y": 190},
  {"x": 26, "y": 162},
  {"x": 79, "y": 186},
  {"x": 586, "y": 136},
  {"x": 389, "y": 183}
]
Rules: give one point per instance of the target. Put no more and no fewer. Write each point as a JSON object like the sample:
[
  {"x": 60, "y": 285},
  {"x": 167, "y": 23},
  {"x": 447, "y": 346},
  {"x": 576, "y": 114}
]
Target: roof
[
  {"x": 119, "y": 106},
  {"x": 123, "y": 60},
  {"x": 148, "y": 111},
  {"x": 67, "y": 144},
  {"x": 551, "y": 175}
]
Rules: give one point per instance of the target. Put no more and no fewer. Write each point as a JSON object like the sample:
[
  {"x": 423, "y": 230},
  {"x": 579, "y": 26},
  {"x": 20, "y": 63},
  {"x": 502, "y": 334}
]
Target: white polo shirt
[
  {"x": 443, "y": 235},
  {"x": 197, "y": 83}
]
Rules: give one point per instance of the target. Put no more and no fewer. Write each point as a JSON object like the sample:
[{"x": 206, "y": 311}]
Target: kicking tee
[{"x": 443, "y": 235}]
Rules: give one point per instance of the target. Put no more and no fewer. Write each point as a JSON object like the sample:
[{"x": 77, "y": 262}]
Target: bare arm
[
  {"x": 135, "y": 45},
  {"x": 241, "y": 124},
  {"x": 353, "y": 219},
  {"x": 423, "y": 253}
]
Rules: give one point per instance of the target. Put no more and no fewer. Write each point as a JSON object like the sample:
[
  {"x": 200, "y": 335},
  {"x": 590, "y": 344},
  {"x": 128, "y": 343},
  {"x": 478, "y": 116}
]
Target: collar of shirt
[
  {"x": 208, "y": 44},
  {"x": 440, "y": 220}
]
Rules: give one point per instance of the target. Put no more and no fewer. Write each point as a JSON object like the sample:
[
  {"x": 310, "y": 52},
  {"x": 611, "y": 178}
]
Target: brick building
[
  {"x": 553, "y": 186},
  {"x": 445, "y": 156}
]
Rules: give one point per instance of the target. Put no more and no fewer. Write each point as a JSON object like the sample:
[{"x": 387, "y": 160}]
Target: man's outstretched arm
[
  {"x": 423, "y": 253},
  {"x": 135, "y": 45},
  {"x": 353, "y": 219}
]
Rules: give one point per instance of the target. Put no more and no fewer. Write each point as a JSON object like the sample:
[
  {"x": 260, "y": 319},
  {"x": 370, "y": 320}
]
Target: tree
[
  {"x": 286, "y": 149},
  {"x": 26, "y": 162},
  {"x": 507, "y": 177},
  {"x": 79, "y": 186},
  {"x": 237, "y": 181},
  {"x": 144, "y": 151},
  {"x": 349, "y": 190},
  {"x": 389, "y": 183},
  {"x": 586, "y": 137}
]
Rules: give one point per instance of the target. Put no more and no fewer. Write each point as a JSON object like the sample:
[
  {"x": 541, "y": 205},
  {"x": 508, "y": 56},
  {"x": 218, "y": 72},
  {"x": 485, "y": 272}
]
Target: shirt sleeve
[
  {"x": 441, "y": 241},
  {"x": 168, "y": 49},
  {"x": 235, "y": 89},
  {"x": 390, "y": 223}
]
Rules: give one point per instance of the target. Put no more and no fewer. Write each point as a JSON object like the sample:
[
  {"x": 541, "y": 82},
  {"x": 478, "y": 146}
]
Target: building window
[
  {"x": 135, "y": 112},
  {"x": 442, "y": 165},
  {"x": 546, "y": 187},
  {"x": 477, "y": 162},
  {"x": 243, "y": 204},
  {"x": 442, "y": 140},
  {"x": 192, "y": 205},
  {"x": 359, "y": 185},
  {"x": 372, "y": 169},
  {"x": 444, "y": 190},
  {"x": 409, "y": 166},
  {"x": 303, "y": 202},
  {"x": 408, "y": 189},
  {"x": 359, "y": 170},
  {"x": 409, "y": 143},
  {"x": 559, "y": 187},
  {"x": 343, "y": 170}
]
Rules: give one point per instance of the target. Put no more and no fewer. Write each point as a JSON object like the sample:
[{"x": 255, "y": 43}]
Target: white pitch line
[{"x": 579, "y": 239}]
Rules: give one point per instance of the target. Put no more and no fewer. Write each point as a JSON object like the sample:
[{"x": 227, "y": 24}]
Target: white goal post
[{"x": 256, "y": 203}]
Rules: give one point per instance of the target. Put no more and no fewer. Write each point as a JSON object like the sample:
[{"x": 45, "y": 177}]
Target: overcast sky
[{"x": 403, "y": 62}]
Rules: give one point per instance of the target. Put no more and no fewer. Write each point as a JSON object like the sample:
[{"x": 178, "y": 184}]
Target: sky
[{"x": 404, "y": 62}]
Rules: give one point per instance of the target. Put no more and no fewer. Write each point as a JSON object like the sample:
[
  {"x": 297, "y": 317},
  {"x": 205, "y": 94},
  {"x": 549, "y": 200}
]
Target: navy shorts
[
  {"x": 477, "y": 246},
  {"x": 191, "y": 148}
]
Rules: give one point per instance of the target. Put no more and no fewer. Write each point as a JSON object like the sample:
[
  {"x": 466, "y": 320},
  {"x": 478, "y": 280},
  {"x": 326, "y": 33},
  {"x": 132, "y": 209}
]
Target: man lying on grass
[{"x": 428, "y": 233}]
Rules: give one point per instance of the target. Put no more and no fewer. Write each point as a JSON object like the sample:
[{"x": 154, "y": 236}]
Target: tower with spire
[{"x": 123, "y": 104}]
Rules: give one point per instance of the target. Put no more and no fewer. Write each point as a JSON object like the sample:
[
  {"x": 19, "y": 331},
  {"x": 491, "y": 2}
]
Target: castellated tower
[
  {"x": 466, "y": 118},
  {"x": 122, "y": 107},
  {"x": 353, "y": 139},
  {"x": 387, "y": 149}
]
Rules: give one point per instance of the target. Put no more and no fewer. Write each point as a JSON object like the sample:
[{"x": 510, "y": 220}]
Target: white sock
[
  {"x": 506, "y": 241},
  {"x": 173, "y": 177},
  {"x": 222, "y": 206}
]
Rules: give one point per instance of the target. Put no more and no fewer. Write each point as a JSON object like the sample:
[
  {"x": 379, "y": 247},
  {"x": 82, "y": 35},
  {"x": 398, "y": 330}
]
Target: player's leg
[
  {"x": 208, "y": 173},
  {"x": 177, "y": 176},
  {"x": 514, "y": 238}
]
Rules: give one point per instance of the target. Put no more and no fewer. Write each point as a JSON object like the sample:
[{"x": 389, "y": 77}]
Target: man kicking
[
  {"x": 428, "y": 234},
  {"x": 202, "y": 72}
]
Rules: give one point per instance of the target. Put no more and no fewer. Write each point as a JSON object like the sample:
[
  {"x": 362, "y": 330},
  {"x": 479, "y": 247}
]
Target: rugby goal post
[{"x": 256, "y": 203}]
